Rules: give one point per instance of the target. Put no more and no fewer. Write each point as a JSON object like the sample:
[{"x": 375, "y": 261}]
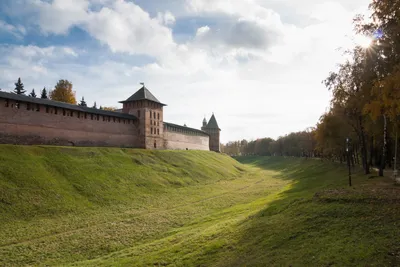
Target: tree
[
  {"x": 94, "y": 105},
  {"x": 63, "y": 92},
  {"x": 101, "y": 107},
  {"x": 110, "y": 108},
  {"x": 83, "y": 102},
  {"x": 19, "y": 87},
  {"x": 32, "y": 94},
  {"x": 43, "y": 95}
]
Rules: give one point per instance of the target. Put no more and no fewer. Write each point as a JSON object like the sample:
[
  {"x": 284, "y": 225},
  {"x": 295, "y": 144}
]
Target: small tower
[
  {"x": 204, "y": 123},
  {"x": 214, "y": 131},
  {"x": 149, "y": 111}
]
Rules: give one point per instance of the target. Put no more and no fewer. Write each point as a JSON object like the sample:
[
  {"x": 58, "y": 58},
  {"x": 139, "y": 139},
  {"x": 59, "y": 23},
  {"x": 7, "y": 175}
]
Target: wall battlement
[{"x": 33, "y": 121}]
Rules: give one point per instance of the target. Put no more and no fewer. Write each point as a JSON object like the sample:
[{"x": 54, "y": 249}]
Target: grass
[{"x": 124, "y": 207}]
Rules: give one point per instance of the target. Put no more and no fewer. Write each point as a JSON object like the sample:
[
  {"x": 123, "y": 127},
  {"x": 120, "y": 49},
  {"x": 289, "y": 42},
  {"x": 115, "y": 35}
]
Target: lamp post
[
  {"x": 395, "y": 157},
  {"x": 348, "y": 145}
]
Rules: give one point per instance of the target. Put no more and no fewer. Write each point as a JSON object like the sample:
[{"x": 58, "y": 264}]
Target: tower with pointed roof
[
  {"x": 214, "y": 131},
  {"x": 149, "y": 111}
]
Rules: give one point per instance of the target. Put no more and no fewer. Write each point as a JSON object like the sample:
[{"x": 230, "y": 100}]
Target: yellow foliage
[
  {"x": 110, "y": 108},
  {"x": 387, "y": 97},
  {"x": 63, "y": 92}
]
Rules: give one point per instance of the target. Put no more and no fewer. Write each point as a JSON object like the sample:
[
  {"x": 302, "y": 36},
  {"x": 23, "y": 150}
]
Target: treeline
[
  {"x": 365, "y": 107},
  {"x": 300, "y": 144},
  {"x": 62, "y": 92}
]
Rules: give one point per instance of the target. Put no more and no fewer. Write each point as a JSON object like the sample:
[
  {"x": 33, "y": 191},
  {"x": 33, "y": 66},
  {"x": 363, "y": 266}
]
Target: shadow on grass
[{"x": 298, "y": 229}]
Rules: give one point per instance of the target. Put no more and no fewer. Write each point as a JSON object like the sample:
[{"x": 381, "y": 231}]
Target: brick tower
[
  {"x": 149, "y": 111},
  {"x": 214, "y": 131}
]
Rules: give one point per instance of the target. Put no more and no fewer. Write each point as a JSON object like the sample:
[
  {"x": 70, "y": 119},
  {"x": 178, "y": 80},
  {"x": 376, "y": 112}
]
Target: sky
[{"x": 258, "y": 65}]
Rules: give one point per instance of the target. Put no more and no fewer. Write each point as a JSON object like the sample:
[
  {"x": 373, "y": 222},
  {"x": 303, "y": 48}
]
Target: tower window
[
  {"x": 37, "y": 107},
  {"x": 7, "y": 103},
  {"x": 158, "y": 116},
  {"x": 150, "y": 114},
  {"x": 151, "y": 130},
  {"x": 155, "y": 144},
  {"x": 154, "y": 115},
  {"x": 158, "y": 131}
]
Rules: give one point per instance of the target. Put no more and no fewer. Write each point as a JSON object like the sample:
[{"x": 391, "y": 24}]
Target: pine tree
[
  {"x": 101, "y": 107},
  {"x": 44, "y": 94},
  {"x": 19, "y": 87},
  {"x": 83, "y": 102},
  {"x": 94, "y": 105},
  {"x": 32, "y": 94}
]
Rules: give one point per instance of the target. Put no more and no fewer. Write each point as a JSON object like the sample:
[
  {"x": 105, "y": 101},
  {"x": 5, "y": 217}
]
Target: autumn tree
[
  {"x": 32, "y": 94},
  {"x": 43, "y": 94},
  {"x": 63, "y": 92},
  {"x": 19, "y": 87},
  {"x": 110, "y": 108}
]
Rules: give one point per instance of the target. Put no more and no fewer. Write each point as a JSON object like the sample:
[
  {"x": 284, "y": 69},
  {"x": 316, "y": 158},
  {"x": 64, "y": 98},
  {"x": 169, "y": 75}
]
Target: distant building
[{"x": 140, "y": 124}]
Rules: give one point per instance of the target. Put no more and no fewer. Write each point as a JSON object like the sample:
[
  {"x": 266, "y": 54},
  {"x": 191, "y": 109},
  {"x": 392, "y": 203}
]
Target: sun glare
[{"x": 363, "y": 41}]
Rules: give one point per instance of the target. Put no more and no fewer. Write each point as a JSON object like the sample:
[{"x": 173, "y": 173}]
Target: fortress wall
[
  {"x": 41, "y": 125},
  {"x": 176, "y": 140}
]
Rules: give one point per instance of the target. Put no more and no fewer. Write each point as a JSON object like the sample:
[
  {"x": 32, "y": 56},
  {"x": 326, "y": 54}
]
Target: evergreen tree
[
  {"x": 19, "y": 87},
  {"x": 32, "y": 94},
  {"x": 94, "y": 105},
  {"x": 83, "y": 102},
  {"x": 101, "y": 107},
  {"x": 44, "y": 94}
]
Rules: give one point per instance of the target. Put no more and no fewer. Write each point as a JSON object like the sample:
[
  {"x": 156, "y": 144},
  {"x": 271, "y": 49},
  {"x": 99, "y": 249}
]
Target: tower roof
[
  {"x": 142, "y": 94},
  {"x": 212, "y": 123}
]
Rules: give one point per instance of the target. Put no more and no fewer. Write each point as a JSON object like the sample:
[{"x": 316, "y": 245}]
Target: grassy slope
[{"x": 101, "y": 207}]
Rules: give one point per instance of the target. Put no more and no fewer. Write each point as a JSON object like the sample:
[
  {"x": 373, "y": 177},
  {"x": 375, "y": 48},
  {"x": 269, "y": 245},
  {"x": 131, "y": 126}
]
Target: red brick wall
[
  {"x": 178, "y": 138},
  {"x": 22, "y": 126}
]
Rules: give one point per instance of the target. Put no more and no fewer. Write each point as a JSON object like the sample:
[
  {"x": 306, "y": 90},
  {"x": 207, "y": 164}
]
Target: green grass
[{"x": 124, "y": 207}]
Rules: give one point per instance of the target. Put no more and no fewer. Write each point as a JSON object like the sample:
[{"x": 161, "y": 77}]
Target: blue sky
[{"x": 257, "y": 64}]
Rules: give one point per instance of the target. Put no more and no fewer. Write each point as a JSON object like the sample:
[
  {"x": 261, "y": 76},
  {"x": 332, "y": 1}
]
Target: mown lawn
[{"x": 122, "y": 207}]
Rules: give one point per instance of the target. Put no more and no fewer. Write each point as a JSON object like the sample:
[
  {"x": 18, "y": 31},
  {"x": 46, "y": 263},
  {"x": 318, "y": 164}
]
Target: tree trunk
[
  {"x": 371, "y": 151},
  {"x": 383, "y": 158},
  {"x": 389, "y": 152},
  {"x": 364, "y": 155}
]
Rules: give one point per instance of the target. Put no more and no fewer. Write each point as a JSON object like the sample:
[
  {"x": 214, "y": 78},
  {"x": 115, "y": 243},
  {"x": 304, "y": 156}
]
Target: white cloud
[
  {"x": 166, "y": 18},
  {"x": 59, "y": 16},
  {"x": 125, "y": 27},
  {"x": 121, "y": 25},
  {"x": 18, "y": 31},
  {"x": 242, "y": 33}
]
